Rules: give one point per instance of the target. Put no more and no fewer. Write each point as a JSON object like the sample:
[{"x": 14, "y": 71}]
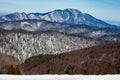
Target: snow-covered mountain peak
[{"x": 66, "y": 16}]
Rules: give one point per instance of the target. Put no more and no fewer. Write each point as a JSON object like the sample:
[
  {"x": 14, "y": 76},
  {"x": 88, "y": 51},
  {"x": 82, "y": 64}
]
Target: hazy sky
[{"x": 101, "y": 9}]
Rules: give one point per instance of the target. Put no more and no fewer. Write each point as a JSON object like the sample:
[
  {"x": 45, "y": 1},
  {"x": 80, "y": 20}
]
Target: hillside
[
  {"x": 100, "y": 59},
  {"x": 25, "y": 44}
]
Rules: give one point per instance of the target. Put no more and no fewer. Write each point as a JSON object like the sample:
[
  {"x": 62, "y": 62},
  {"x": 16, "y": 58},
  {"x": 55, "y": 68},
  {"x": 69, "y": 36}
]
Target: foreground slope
[
  {"x": 100, "y": 59},
  {"x": 24, "y": 44}
]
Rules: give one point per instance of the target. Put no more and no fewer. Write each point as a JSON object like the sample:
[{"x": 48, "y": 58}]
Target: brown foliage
[
  {"x": 6, "y": 61},
  {"x": 102, "y": 59}
]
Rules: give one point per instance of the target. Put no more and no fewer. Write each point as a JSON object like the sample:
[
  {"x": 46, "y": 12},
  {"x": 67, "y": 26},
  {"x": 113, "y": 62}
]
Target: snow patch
[
  {"x": 97, "y": 34},
  {"x": 59, "y": 77},
  {"x": 24, "y": 23}
]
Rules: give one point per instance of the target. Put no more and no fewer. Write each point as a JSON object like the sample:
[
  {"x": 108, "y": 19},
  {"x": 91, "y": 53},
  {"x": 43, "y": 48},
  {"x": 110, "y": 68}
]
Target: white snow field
[{"x": 59, "y": 77}]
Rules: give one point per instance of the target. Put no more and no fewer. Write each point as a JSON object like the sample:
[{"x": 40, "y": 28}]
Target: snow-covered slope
[
  {"x": 23, "y": 45},
  {"x": 69, "y": 16},
  {"x": 60, "y": 77}
]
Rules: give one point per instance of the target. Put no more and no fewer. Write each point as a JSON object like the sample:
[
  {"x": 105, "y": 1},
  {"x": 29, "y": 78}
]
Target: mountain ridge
[
  {"x": 107, "y": 34},
  {"x": 70, "y": 16}
]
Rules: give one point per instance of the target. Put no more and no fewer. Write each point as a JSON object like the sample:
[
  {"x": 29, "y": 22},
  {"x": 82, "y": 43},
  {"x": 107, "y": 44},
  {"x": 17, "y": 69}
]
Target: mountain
[
  {"x": 106, "y": 34},
  {"x": 69, "y": 21},
  {"x": 99, "y": 59},
  {"x": 24, "y": 44},
  {"x": 67, "y": 16}
]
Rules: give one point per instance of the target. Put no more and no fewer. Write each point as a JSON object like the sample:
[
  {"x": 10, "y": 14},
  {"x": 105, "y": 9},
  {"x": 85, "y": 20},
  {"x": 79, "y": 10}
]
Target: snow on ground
[{"x": 59, "y": 77}]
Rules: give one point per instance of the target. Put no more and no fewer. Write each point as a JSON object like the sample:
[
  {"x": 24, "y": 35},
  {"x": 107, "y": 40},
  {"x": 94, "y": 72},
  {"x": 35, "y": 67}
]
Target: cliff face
[{"x": 23, "y": 45}]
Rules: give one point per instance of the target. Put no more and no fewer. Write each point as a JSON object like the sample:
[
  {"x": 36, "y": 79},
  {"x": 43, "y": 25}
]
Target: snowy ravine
[
  {"x": 25, "y": 45},
  {"x": 59, "y": 77}
]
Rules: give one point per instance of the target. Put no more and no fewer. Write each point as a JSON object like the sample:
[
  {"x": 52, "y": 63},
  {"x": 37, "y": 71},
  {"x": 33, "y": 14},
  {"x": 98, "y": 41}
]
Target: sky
[{"x": 107, "y": 10}]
